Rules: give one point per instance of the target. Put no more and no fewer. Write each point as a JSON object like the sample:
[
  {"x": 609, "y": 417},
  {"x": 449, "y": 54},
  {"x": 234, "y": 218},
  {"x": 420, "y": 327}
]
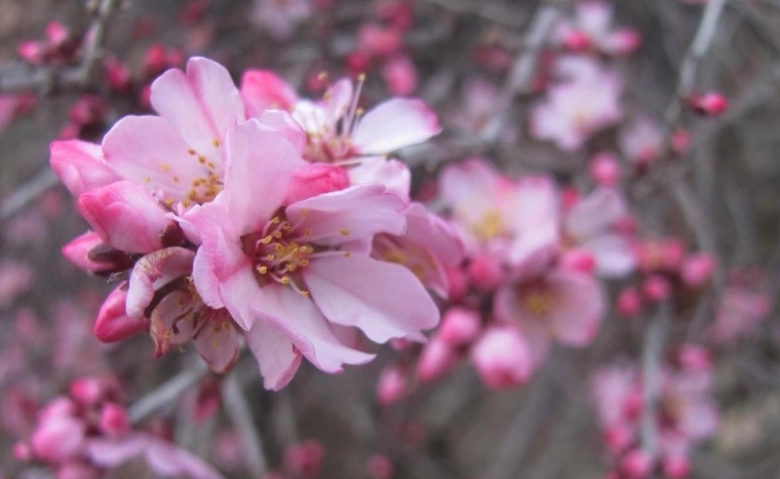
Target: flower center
[
  {"x": 489, "y": 226},
  {"x": 537, "y": 298}
]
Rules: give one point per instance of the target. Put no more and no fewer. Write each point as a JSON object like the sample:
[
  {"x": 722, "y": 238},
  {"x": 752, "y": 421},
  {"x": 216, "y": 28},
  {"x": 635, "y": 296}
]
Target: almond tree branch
[
  {"x": 240, "y": 414},
  {"x": 652, "y": 355},
  {"x": 165, "y": 394}
]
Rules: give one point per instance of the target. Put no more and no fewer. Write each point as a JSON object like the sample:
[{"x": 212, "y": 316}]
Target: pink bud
[
  {"x": 87, "y": 391},
  {"x": 58, "y": 439},
  {"x": 486, "y": 272},
  {"x": 673, "y": 252},
  {"x": 459, "y": 326},
  {"x": 118, "y": 75},
  {"x": 624, "y": 41},
  {"x": 34, "y": 52},
  {"x": 579, "y": 260},
  {"x": 357, "y": 62},
  {"x": 681, "y": 140},
  {"x": 502, "y": 357},
  {"x": 692, "y": 357},
  {"x": 305, "y": 459},
  {"x": 636, "y": 464},
  {"x": 577, "y": 41},
  {"x": 676, "y": 467},
  {"x": 708, "y": 104},
  {"x": 154, "y": 60},
  {"x": 604, "y": 169},
  {"x": 114, "y": 421},
  {"x": 22, "y": 452},
  {"x": 392, "y": 386},
  {"x": 113, "y": 324},
  {"x": 697, "y": 269},
  {"x": 629, "y": 302},
  {"x": 400, "y": 74},
  {"x": 88, "y": 110},
  {"x": 656, "y": 288},
  {"x": 376, "y": 40},
  {"x": 125, "y": 215},
  {"x": 437, "y": 359},
  {"x": 569, "y": 197},
  {"x": 617, "y": 438},
  {"x": 379, "y": 466},
  {"x": 57, "y": 33},
  {"x": 78, "y": 253},
  {"x": 57, "y": 407},
  {"x": 458, "y": 280},
  {"x": 313, "y": 179}
]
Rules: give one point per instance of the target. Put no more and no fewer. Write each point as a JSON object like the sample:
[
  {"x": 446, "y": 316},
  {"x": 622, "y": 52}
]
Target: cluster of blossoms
[
  {"x": 684, "y": 414},
  {"x": 88, "y": 432},
  {"x": 531, "y": 276},
  {"x": 228, "y": 220}
]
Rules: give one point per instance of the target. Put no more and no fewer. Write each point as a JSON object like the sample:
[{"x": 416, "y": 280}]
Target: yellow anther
[
  {"x": 344, "y": 232},
  {"x": 270, "y": 257},
  {"x": 191, "y": 151},
  {"x": 305, "y": 213},
  {"x": 262, "y": 269},
  {"x": 175, "y": 179},
  {"x": 322, "y": 75},
  {"x": 307, "y": 233},
  {"x": 285, "y": 280},
  {"x": 277, "y": 234},
  {"x": 165, "y": 167},
  {"x": 275, "y": 220},
  {"x": 362, "y": 77},
  {"x": 147, "y": 179},
  {"x": 304, "y": 293},
  {"x": 215, "y": 142},
  {"x": 347, "y": 254},
  {"x": 202, "y": 160},
  {"x": 267, "y": 240},
  {"x": 303, "y": 263}
]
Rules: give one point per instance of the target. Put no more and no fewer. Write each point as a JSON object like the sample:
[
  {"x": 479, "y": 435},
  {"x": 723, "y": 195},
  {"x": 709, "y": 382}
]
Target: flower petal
[
  {"x": 275, "y": 354},
  {"x": 394, "y": 124},
  {"x": 80, "y": 166},
  {"x": 263, "y": 90},
  {"x": 384, "y": 300}
]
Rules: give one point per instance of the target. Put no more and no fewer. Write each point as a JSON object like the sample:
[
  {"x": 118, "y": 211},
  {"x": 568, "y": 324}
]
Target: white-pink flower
[
  {"x": 574, "y": 109},
  {"x": 285, "y": 272},
  {"x": 591, "y": 28}
]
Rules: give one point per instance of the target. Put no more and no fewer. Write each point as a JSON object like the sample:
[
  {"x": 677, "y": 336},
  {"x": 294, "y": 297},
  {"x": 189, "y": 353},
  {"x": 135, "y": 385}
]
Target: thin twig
[
  {"x": 165, "y": 394},
  {"x": 522, "y": 69},
  {"x": 652, "y": 355},
  {"x": 240, "y": 415},
  {"x": 27, "y": 193}
]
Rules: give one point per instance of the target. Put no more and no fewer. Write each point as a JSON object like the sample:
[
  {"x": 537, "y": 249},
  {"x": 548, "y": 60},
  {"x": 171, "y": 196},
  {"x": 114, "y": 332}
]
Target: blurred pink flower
[
  {"x": 502, "y": 357},
  {"x": 280, "y": 17},
  {"x": 641, "y": 141},
  {"x": 591, "y": 28},
  {"x": 739, "y": 312},
  {"x": 15, "y": 279}
]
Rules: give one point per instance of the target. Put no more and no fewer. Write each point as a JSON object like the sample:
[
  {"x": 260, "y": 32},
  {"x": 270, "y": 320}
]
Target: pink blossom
[
  {"x": 391, "y": 386},
  {"x": 379, "y": 466},
  {"x": 15, "y": 279},
  {"x": 285, "y": 273},
  {"x": 459, "y": 326},
  {"x": 590, "y": 224},
  {"x": 590, "y": 28},
  {"x": 576, "y": 108},
  {"x": 516, "y": 222},
  {"x": 604, "y": 169},
  {"x": 113, "y": 323},
  {"x": 563, "y": 304},
  {"x": 436, "y": 360},
  {"x": 279, "y": 19},
  {"x": 739, "y": 312},
  {"x": 502, "y": 358},
  {"x": 400, "y": 75},
  {"x": 641, "y": 141}
]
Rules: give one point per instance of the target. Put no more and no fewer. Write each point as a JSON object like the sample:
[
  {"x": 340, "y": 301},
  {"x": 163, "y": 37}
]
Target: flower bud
[
  {"x": 392, "y": 386},
  {"x": 459, "y": 326},
  {"x": 656, "y": 288},
  {"x": 629, "y": 303},
  {"x": 437, "y": 359},
  {"x": 636, "y": 464},
  {"x": 697, "y": 269},
  {"x": 485, "y": 272},
  {"x": 502, "y": 357},
  {"x": 604, "y": 170},
  {"x": 113, "y": 324},
  {"x": 708, "y": 104},
  {"x": 114, "y": 421}
]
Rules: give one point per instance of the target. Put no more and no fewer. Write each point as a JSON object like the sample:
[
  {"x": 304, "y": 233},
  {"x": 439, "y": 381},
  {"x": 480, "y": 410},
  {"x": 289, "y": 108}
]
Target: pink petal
[
  {"x": 149, "y": 151},
  {"x": 199, "y": 104},
  {"x": 113, "y": 452},
  {"x": 113, "y": 323},
  {"x": 259, "y": 161},
  {"x": 80, "y": 166},
  {"x": 579, "y": 307},
  {"x": 394, "y": 174},
  {"x": 217, "y": 342},
  {"x": 355, "y": 213},
  {"x": 394, "y": 124},
  {"x": 615, "y": 256},
  {"x": 502, "y": 358},
  {"x": 152, "y": 272},
  {"x": 285, "y": 124},
  {"x": 77, "y": 252},
  {"x": 312, "y": 179},
  {"x": 125, "y": 215},
  {"x": 337, "y": 100},
  {"x": 263, "y": 90},
  {"x": 384, "y": 300},
  {"x": 595, "y": 213},
  {"x": 470, "y": 188},
  {"x": 168, "y": 459},
  {"x": 275, "y": 354},
  {"x": 303, "y": 323}
]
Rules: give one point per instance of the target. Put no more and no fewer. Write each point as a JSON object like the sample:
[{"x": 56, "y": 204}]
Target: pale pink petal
[
  {"x": 260, "y": 162},
  {"x": 394, "y": 174},
  {"x": 594, "y": 16},
  {"x": 394, "y": 124},
  {"x": 77, "y": 252},
  {"x": 384, "y": 300},
  {"x": 337, "y": 100},
  {"x": 263, "y": 90},
  {"x": 80, "y": 166},
  {"x": 217, "y": 342},
  {"x": 275, "y": 354},
  {"x": 199, "y": 104},
  {"x": 285, "y": 124},
  {"x": 125, "y": 215},
  {"x": 614, "y": 255},
  {"x": 312, "y": 179},
  {"x": 536, "y": 330},
  {"x": 502, "y": 357},
  {"x": 152, "y": 272},
  {"x": 351, "y": 214},
  {"x": 168, "y": 459},
  {"x": 149, "y": 151},
  {"x": 428, "y": 229},
  {"x": 595, "y": 213},
  {"x": 470, "y": 188},
  {"x": 113, "y": 452},
  {"x": 579, "y": 306},
  {"x": 303, "y": 323},
  {"x": 532, "y": 214}
]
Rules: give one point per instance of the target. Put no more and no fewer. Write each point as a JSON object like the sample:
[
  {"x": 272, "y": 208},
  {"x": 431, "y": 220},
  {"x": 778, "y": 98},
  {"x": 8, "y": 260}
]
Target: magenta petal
[
  {"x": 125, "y": 215},
  {"x": 80, "y": 166},
  {"x": 384, "y": 300},
  {"x": 154, "y": 271},
  {"x": 113, "y": 324},
  {"x": 199, "y": 104},
  {"x": 260, "y": 161},
  {"x": 394, "y": 124},
  {"x": 306, "y": 327},
  {"x": 313, "y": 179},
  {"x": 77, "y": 252},
  {"x": 351, "y": 214},
  {"x": 275, "y": 354}
]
